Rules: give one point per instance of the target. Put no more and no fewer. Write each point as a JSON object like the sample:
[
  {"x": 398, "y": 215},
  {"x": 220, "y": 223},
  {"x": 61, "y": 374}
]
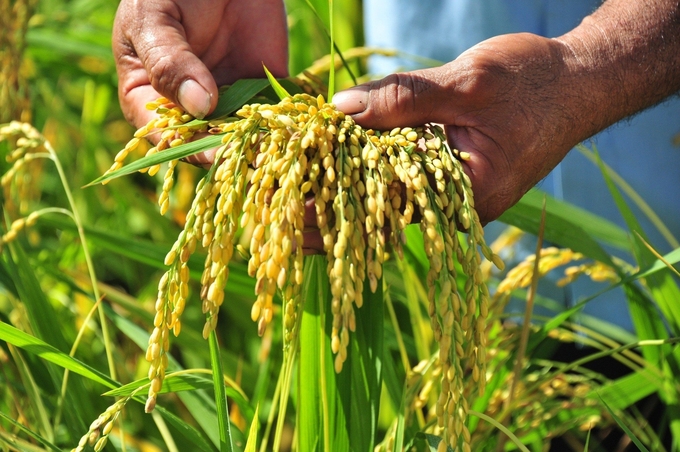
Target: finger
[
  {"x": 398, "y": 100},
  {"x": 151, "y": 48},
  {"x": 312, "y": 242}
]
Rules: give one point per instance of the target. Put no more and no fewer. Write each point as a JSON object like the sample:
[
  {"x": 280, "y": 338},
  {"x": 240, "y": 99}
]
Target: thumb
[
  {"x": 156, "y": 52},
  {"x": 398, "y": 100}
]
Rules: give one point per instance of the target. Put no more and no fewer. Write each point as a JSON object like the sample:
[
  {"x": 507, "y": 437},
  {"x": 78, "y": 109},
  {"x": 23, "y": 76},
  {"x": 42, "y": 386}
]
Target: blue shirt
[{"x": 640, "y": 148}]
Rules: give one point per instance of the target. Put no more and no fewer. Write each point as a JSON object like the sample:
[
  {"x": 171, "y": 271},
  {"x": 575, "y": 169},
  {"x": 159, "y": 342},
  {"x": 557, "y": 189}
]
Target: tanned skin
[{"x": 517, "y": 103}]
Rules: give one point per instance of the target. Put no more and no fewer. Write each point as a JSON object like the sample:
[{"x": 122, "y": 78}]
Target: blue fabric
[{"x": 640, "y": 149}]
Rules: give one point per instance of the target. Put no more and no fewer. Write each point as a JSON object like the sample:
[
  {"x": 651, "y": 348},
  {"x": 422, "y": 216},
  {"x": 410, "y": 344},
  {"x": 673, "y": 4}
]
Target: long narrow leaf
[
  {"x": 237, "y": 95},
  {"x": 313, "y": 410},
  {"x": 251, "y": 443},
  {"x": 665, "y": 291},
  {"x": 360, "y": 389},
  {"x": 32, "y": 344},
  {"x": 625, "y": 428},
  {"x": 566, "y": 225},
  {"x": 226, "y": 442},
  {"x": 186, "y": 430},
  {"x": 278, "y": 89},
  {"x": 29, "y": 432},
  {"x": 178, "y": 152}
]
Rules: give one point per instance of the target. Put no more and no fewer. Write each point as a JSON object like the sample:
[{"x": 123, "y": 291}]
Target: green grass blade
[
  {"x": 433, "y": 442},
  {"x": 30, "y": 433},
  {"x": 627, "y": 390},
  {"x": 316, "y": 377},
  {"x": 361, "y": 387},
  {"x": 201, "y": 407},
  {"x": 178, "y": 152},
  {"x": 661, "y": 259},
  {"x": 251, "y": 443},
  {"x": 186, "y": 430},
  {"x": 56, "y": 42},
  {"x": 278, "y": 89},
  {"x": 338, "y": 411},
  {"x": 331, "y": 74},
  {"x": 34, "y": 395},
  {"x": 173, "y": 382},
  {"x": 665, "y": 291},
  {"x": 502, "y": 428},
  {"x": 566, "y": 225},
  {"x": 237, "y": 95},
  {"x": 226, "y": 442},
  {"x": 625, "y": 428},
  {"x": 152, "y": 254},
  {"x": 33, "y": 345},
  {"x": 41, "y": 313}
]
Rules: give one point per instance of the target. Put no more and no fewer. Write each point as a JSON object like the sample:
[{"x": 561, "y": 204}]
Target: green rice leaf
[
  {"x": 55, "y": 41},
  {"x": 663, "y": 288},
  {"x": 193, "y": 436},
  {"x": 251, "y": 444},
  {"x": 662, "y": 262},
  {"x": 178, "y": 152},
  {"x": 171, "y": 383},
  {"x": 34, "y": 395},
  {"x": 360, "y": 381},
  {"x": 30, "y": 433},
  {"x": 33, "y": 345},
  {"x": 237, "y": 95},
  {"x": 502, "y": 428},
  {"x": 278, "y": 89},
  {"x": 41, "y": 313},
  {"x": 566, "y": 225},
  {"x": 629, "y": 389},
  {"x": 331, "y": 74},
  {"x": 49, "y": 342},
  {"x": 316, "y": 376},
  {"x": 432, "y": 441},
  {"x": 625, "y": 428},
  {"x": 226, "y": 442}
]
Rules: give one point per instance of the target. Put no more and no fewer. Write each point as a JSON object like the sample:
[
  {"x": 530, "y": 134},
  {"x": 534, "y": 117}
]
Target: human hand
[
  {"x": 183, "y": 50},
  {"x": 507, "y": 102}
]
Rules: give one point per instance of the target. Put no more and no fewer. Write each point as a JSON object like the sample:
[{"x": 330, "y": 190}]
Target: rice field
[{"x": 248, "y": 368}]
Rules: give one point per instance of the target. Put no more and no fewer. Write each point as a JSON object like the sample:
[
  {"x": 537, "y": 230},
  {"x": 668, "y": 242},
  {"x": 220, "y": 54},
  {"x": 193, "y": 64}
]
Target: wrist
[{"x": 623, "y": 58}]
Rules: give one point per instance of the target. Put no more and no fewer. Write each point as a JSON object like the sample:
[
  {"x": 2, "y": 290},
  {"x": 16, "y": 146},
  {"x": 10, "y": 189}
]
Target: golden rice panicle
[
  {"x": 521, "y": 275},
  {"x": 173, "y": 292},
  {"x": 596, "y": 271},
  {"x": 218, "y": 224},
  {"x": 26, "y": 144},
  {"x": 98, "y": 433},
  {"x": 171, "y": 127},
  {"x": 17, "y": 226},
  {"x": 168, "y": 183},
  {"x": 345, "y": 266},
  {"x": 273, "y": 212}
]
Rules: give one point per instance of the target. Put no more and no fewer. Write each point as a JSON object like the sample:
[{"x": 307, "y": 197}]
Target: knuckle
[{"x": 398, "y": 93}]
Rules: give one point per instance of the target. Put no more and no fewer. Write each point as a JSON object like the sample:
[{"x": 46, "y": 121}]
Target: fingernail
[
  {"x": 352, "y": 101},
  {"x": 194, "y": 98}
]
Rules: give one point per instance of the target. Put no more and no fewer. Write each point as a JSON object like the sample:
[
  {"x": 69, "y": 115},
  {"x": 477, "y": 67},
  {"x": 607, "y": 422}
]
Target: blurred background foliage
[{"x": 58, "y": 73}]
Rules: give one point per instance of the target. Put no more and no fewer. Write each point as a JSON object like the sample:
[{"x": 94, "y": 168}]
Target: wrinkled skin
[
  {"x": 159, "y": 44},
  {"x": 490, "y": 109},
  {"x": 516, "y": 103}
]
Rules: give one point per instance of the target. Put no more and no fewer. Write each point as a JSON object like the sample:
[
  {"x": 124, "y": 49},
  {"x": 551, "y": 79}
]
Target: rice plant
[{"x": 80, "y": 272}]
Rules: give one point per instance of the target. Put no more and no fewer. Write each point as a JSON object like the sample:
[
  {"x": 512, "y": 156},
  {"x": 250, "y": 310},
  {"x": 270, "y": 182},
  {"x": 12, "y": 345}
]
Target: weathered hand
[
  {"x": 502, "y": 101},
  {"x": 184, "y": 50},
  {"x": 518, "y": 103}
]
